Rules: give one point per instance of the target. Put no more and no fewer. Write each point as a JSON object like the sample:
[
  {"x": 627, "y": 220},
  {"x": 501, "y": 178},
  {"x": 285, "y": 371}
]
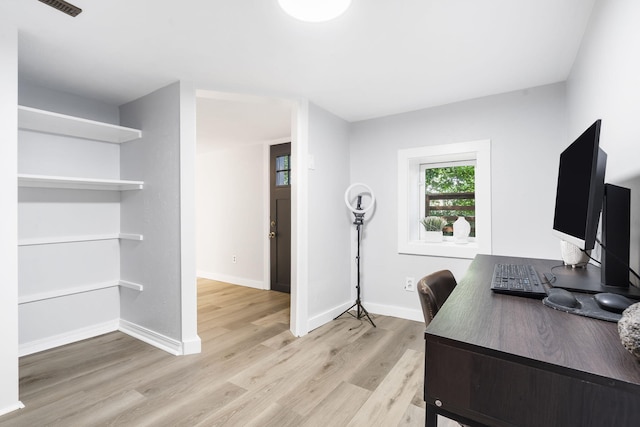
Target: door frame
[{"x": 298, "y": 320}]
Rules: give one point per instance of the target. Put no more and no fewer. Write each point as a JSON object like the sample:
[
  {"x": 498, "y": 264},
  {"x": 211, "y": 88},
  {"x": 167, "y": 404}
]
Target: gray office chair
[{"x": 434, "y": 290}]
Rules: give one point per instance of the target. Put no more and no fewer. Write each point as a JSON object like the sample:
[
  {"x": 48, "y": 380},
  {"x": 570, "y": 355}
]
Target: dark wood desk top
[{"x": 515, "y": 327}]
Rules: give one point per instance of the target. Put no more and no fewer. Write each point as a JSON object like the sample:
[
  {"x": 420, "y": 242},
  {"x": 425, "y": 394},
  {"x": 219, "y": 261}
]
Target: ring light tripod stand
[{"x": 358, "y": 213}]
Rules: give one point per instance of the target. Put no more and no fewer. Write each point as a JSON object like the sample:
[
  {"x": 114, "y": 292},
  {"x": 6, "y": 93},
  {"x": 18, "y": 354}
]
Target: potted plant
[{"x": 433, "y": 226}]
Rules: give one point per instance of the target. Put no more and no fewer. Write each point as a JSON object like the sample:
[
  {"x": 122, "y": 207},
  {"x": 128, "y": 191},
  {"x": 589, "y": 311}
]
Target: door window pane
[{"x": 283, "y": 171}]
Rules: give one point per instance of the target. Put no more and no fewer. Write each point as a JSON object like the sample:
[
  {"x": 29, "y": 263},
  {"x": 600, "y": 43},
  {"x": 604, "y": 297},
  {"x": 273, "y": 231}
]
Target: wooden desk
[{"x": 503, "y": 360}]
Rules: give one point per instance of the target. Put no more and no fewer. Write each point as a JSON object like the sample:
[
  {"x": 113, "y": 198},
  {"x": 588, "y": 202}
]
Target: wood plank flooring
[{"x": 251, "y": 372}]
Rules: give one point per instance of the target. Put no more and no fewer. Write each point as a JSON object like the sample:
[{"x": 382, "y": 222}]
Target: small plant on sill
[
  {"x": 433, "y": 226},
  {"x": 433, "y": 223}
]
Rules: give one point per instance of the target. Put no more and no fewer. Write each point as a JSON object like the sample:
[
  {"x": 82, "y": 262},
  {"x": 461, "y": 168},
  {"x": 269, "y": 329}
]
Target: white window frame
[{"x": 411, "y": 198}]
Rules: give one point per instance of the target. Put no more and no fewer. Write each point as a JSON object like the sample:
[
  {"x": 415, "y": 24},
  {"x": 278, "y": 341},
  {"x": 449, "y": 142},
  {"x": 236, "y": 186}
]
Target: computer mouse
[
  {"x": 562, "y": 297},
  {"x": 613, "y": 302}
]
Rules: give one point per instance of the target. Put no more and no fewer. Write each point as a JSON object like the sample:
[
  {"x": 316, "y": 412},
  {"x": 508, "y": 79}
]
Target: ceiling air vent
[{"x": 63, "y": 6}]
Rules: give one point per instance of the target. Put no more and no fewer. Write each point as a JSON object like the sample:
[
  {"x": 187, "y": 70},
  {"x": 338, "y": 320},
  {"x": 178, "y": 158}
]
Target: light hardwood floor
[{"x": 251, "y": 371}]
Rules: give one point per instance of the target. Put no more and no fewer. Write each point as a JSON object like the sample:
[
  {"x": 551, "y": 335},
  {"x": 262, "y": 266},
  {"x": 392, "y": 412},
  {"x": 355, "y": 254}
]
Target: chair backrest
[{"x": 433, "y": 291}]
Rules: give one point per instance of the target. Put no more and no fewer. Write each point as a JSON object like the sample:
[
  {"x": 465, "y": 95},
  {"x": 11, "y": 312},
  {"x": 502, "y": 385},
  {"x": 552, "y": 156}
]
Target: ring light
[
  {"x": 368, "y": 190},
  {"x": 358, "y": 213}
]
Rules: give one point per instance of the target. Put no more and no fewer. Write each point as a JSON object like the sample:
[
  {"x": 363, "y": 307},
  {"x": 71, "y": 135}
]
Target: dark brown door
[{"x": 280, "y": 221}]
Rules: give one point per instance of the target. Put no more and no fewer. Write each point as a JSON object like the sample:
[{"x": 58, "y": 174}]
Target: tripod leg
[
  {"x": 365, "y": 312},
  {"x": 346, "y": 311},
  {"x": 360, "y": 310}
]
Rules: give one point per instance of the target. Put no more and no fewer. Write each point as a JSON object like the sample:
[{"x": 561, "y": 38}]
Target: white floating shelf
[
  {"x": 46, "y": 181},
  {"x": 75, "y": 239},
  {"x": 65, "y": 239},
  {"x": 60, "y": 124},
  {"x": 59, "y": 293},
  {"x": 129, "y": 236},
  {"x": 65, "y": 292},
  {"x": 131, "y": 285}
]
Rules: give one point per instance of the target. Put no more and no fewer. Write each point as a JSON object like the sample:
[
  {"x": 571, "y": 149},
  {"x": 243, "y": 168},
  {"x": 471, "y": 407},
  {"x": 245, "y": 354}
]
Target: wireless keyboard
[{"x": 517, "y": 279}]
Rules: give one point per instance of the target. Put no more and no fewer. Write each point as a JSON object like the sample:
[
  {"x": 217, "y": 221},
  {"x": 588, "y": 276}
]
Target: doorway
[
  {"x": 280, "y": 217},
  {"x": 234, "y": 135}
]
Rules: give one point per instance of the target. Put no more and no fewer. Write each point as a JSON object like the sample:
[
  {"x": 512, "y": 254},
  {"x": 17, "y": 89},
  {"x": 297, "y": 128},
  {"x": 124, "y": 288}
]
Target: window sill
[{"x": 447, "y": 249}]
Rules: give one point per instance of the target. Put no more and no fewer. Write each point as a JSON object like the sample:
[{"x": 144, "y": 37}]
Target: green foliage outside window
[
  {"x": 451, "y": 179},
  {"x": 457, "y": 181}
]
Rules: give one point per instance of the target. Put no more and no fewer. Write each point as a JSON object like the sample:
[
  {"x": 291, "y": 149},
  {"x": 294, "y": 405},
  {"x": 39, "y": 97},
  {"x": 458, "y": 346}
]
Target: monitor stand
[{"x": 614, "y": 275}]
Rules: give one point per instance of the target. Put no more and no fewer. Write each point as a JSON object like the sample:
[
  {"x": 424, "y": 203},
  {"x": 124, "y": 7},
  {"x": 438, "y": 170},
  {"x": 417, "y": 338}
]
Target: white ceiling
[
  {"x": 225, "y": 120},
  {"x": 381, "y": 57}
]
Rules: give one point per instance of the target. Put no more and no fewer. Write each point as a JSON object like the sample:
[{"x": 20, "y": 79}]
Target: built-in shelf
[
  {"x": 72, "y": 144},
  {"x": 130, "y": 236},
  {"x": 47, "y": 181},
  {"x": 60, "y": 124},
  {"x": 81, "y": 238},
  {"x": 26, "y": 299},
  {"x": 131, "y": 285}
]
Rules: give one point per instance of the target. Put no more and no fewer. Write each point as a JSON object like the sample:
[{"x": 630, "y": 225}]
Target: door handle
[{"x": 272, "y": 235}]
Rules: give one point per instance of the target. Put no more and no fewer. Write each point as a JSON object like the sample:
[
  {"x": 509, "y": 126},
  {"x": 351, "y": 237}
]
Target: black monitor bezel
[{"x": 587, "y": 145}]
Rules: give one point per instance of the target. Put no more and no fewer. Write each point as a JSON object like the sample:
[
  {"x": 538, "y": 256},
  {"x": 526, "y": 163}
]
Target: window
[
  {"x": 445, "y": 180},
  {"x": 283, "y": 171},
  {"x": 449, "y": 192}
]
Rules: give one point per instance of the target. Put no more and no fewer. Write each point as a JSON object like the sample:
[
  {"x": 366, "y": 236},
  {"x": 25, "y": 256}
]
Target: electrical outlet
[
  {"x": 234, "y": 259},
  {"x": 409, "y": 284}
]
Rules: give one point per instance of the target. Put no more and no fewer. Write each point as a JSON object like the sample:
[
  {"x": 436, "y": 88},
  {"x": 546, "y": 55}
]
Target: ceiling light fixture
[{"x": 315, "y": 10}]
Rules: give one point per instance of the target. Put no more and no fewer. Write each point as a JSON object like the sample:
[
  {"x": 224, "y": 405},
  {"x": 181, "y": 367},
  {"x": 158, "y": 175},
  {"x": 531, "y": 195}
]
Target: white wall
[
  {"x": 330, "y": 284},
  {"x": 230, "y": 215},
  {"x": 154, "y": 315},
  {"x": 527, "y": 130},
  {"x": 9, "y": 224},
  {"x": 36, "y": 96},
  {"x": 604, "y": 84}
]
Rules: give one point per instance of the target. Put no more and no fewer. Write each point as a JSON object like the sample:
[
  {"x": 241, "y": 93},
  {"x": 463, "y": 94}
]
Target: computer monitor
[
  {"x": 580, "y": 189},
  {"x": 580, "y": 198}
]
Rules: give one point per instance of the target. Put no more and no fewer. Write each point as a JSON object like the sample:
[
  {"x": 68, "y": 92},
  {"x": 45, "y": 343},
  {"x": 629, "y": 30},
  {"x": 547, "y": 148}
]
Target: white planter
[{"x": 433, "y": 236}]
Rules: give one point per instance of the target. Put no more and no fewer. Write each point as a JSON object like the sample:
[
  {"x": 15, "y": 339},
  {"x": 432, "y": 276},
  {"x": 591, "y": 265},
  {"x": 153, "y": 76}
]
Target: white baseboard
[
  {"x": 382, "y": 309},
  {"x": 67, "y": 338},
  {"x": 242, "y": 281},
  {"x": 11, "y": 408},
  {"x": 326, "y": 317},
  {"x": 153, "y": 338},
  {"x": 390, "y": 310},
  {"x": 192, "y": 346}
]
